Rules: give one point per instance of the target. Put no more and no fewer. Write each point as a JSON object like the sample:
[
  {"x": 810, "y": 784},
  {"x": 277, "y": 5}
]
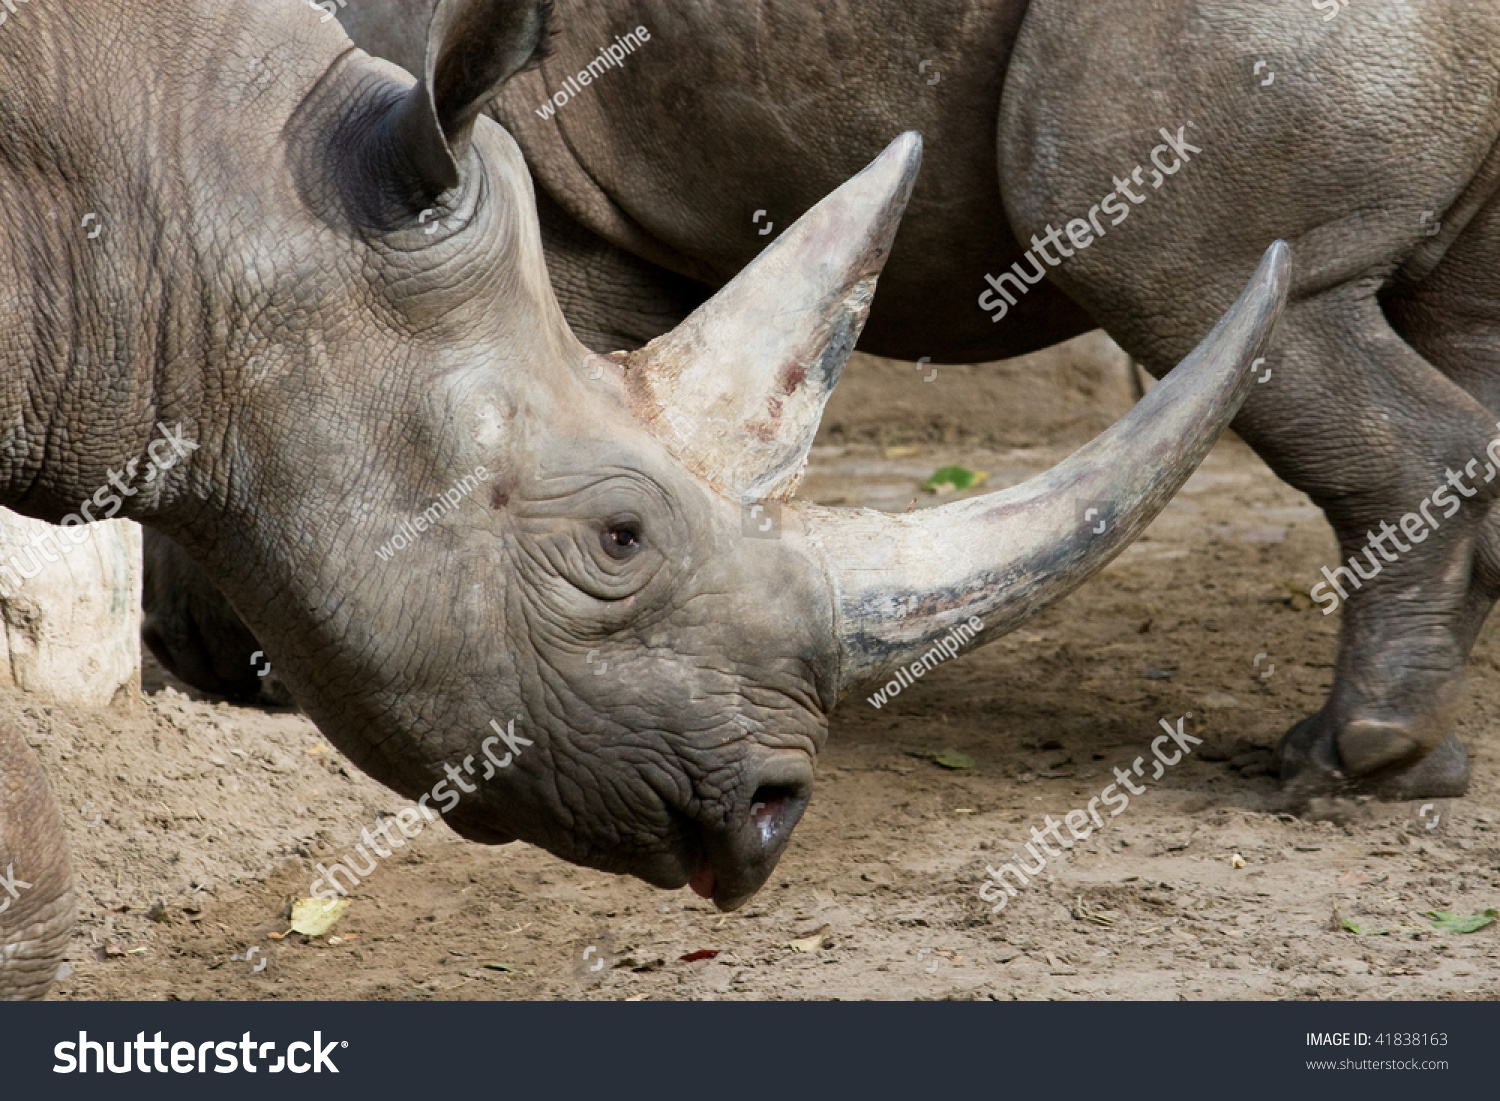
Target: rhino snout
[{"x": 739, "y": 856}]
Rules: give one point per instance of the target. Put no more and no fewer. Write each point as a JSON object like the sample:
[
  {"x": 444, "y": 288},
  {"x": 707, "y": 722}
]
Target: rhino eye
[{"x": 621, "y": 535}]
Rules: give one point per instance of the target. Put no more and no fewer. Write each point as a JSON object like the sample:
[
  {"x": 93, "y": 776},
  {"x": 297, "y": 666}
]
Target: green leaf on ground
[
  {"x": 1445, "y": 922},
  {"x": 954, "y": 479},
  {"x": 952, "y": 758},
  {"x": 1362, "y": 931}
]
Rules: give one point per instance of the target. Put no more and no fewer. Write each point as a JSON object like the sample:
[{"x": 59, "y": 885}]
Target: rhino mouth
[
  {"x": 726, "y": 861},
  {"x": 734, "y": 860}
]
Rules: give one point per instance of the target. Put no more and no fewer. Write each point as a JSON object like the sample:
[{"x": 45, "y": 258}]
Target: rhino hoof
[
  {"x": 1310, "y": 763},
  {"x": 1442, "y": 774}
]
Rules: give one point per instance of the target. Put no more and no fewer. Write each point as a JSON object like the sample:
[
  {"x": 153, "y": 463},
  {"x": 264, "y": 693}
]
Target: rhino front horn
[
  {"x": 736, "y": 391},
  {"x": 912, "y": 588}
]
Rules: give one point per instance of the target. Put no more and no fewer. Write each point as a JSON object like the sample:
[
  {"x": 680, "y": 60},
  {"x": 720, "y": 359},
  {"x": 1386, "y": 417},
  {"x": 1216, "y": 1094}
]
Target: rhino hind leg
[
  {"x": 1309, "y": 764},
  {"x": 1373, "y": 431},
  {"x": 36, "y": 891},
  {"x": 1452, "y": 318},
  {"x": 1369, "y": 429},
  {"x": 1355, "y": 417}
]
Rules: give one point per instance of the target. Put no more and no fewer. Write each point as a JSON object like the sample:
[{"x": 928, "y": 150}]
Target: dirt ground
[{"x": 194, "y": 823}]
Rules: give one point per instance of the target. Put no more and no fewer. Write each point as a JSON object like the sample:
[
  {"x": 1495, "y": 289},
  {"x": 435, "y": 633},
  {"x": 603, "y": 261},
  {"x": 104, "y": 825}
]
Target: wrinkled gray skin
[
  {"x": 341, "y": 299},
  {"x": 1378, "y": 125},
  {"x": 36, "y": 882}
]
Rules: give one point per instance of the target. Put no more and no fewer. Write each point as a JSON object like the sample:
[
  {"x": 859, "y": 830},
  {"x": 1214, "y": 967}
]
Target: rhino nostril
[
  {"x": 774, "y": 810},
  {"x": 731, "y": 857}
]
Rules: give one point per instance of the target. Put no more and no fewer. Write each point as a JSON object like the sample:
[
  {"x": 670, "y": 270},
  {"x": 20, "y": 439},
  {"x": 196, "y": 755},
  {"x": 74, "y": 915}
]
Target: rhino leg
[
  {"x": 1369, "y": 430},
  {"x": 1452, "y": 317},
  {"x": 36, "y": 883},
  {"x": 193, "y": 631},
  {"x": 1353, "y": 414},
  {"x": 1365, "y": 426}
]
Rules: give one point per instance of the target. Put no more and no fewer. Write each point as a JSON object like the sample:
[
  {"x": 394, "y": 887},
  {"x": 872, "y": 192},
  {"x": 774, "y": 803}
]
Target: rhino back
[
  {"x": 730, "y": 108},
  {"x": 733, "y": 108}
]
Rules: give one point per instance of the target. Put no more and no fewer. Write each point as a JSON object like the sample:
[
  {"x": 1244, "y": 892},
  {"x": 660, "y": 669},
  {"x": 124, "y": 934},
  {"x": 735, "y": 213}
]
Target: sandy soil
[{"x": 194, "y": 823}]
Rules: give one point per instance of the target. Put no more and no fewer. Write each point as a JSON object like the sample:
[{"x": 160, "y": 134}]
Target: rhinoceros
[
  {"x": 1104, "y": 165},
  {"x": 1097, "y": 165},
  {"x": 324, "y": 278}
]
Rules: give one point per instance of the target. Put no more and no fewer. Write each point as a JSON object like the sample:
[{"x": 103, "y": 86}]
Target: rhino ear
[{"x": 473, "y": 47}]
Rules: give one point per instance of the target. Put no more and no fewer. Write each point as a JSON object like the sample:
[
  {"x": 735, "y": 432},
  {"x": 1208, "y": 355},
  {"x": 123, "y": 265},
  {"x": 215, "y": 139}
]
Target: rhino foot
[{"x": 1367, "y": 758}]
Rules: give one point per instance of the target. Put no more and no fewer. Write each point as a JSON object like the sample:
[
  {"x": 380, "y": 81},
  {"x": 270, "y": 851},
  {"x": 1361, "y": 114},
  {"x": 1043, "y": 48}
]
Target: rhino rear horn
[
  {"x": 473, "y": 47},
  {"x": 736, "y": 391}
]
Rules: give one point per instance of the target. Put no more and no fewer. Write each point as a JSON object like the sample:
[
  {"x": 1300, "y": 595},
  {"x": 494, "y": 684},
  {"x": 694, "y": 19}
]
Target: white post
[{"x": 70, "y": 601}]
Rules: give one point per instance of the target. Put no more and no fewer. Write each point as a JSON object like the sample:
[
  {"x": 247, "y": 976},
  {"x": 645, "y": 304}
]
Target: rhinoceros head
[{"x": 565, "y": 597}]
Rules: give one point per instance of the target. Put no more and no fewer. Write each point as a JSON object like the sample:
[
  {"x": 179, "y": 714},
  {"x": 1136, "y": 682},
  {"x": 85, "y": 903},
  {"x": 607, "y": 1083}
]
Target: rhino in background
[
  {"x": 193, "y": 632},
  {"x": 342, "y": 302}
]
